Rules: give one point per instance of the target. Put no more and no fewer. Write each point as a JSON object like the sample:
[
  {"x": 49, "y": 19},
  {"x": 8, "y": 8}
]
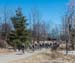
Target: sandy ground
[{"x": 48, "y": 57}]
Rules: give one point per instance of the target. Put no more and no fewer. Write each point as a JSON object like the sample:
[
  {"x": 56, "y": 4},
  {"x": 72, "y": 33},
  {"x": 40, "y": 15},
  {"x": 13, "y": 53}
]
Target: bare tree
[
  {"x": 39, "y": 27},
  {"x": 35, "y": 15},
  {"x": 67, "y": 25},
  {"x": 6, "y": 26}
]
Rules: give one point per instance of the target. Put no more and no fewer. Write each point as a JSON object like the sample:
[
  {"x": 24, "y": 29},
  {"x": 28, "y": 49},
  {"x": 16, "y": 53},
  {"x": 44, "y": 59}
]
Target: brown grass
[
  {"x": 5, "y": 51},
  {"x": 48, "y": 57}
]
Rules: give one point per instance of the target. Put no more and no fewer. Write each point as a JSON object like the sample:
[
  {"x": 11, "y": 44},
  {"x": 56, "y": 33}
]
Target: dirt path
[
  {"x": 48, "y": 57},
  {"x": 12, "y": 57}
]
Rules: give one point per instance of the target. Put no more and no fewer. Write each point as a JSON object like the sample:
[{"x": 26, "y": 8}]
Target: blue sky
[{"x": 51, "y": 10}]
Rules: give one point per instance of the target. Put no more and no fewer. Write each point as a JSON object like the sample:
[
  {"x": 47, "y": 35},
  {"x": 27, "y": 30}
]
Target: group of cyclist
[{"x": 36, "y": 46}]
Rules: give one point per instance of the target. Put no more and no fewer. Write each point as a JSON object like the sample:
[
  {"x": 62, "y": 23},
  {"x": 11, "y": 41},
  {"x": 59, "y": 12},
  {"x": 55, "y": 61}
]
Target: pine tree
[{"x": 20, "y": 34}]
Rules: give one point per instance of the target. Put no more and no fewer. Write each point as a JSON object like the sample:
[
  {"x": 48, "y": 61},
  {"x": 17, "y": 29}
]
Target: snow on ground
[{"x": 68, "y": 52}]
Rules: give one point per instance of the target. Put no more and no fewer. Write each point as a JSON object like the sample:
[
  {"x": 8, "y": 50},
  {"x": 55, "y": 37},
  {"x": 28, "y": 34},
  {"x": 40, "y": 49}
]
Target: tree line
[{"x": 19, "y": 31}]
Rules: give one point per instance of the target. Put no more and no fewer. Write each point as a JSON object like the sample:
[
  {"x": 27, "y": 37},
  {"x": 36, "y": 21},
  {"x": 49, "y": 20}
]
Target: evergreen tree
[{"x": 20, "y": 34}]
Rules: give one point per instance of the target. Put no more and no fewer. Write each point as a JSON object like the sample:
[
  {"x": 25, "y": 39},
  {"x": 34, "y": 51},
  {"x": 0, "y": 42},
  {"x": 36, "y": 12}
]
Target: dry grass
[
  {"x": 48, "y": 57},
  {"x": 5, "y": 51}
]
